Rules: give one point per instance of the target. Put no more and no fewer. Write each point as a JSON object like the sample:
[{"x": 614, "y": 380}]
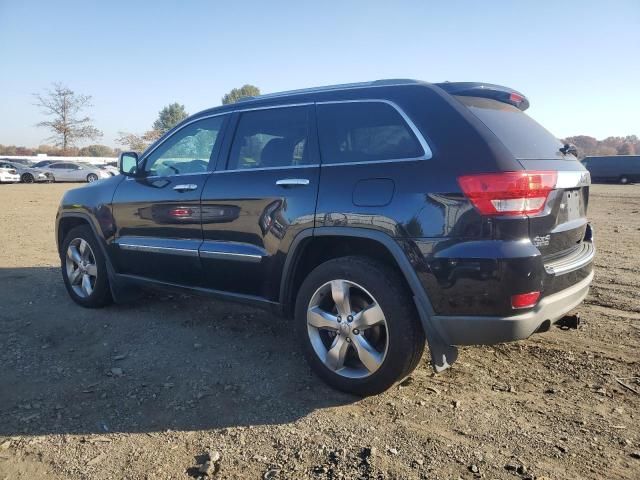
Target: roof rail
[{"x": 329, "y": 88}]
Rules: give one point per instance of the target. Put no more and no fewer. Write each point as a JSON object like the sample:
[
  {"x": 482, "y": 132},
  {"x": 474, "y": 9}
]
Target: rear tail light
[
  {"x": 524, "y": 300},
  {"x": 509, "y": 193}
]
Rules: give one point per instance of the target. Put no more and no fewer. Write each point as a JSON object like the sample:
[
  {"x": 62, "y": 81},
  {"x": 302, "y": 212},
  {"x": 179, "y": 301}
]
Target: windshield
[{"x": 523, "y": 136}]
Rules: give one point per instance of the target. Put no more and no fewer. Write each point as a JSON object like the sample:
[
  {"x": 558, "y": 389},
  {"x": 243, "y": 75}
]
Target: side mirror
[{"x": 128, "y": 163}]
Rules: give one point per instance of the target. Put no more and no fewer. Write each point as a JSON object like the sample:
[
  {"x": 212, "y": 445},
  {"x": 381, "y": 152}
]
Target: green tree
[
  {"x": 169, "y": 117},
  {"x": 96, "y": 151},
  {"x": 64, "y": 107},
  {"x": 238, "y": 93}
]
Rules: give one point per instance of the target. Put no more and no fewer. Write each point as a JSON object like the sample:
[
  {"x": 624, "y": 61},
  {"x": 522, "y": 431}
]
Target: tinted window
[
  {"x": 274, "y": 137},
  {"x": 42, "y": 163},
  {"x": 364, "y": 131},
  {"x": 59, "y": 165},
  {"x": 186, "y": 151},
  {"x": 523, "y": 136}
]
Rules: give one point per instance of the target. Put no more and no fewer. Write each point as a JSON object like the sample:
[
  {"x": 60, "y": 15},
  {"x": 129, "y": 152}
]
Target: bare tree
[{"x": 65, "y": 108}]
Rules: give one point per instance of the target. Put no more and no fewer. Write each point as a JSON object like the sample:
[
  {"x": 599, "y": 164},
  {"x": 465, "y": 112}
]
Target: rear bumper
[
  {"x": 9, "y": 177},
  {"x": 481, "y": 330}
]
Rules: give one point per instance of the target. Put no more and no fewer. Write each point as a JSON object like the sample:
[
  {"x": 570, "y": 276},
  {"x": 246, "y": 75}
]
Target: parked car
[
  {"x": 617, "y": 168},
  {"x": 27, "y": 174},
  {"x": 111, "y": 170},
  {"x": 373, "y": 215},
  {"x": 74, "y": 172},
  {"x": 21, "y": 161},
  {"x": 44, "y": 163},
  {"x": 8, "y": 174}
]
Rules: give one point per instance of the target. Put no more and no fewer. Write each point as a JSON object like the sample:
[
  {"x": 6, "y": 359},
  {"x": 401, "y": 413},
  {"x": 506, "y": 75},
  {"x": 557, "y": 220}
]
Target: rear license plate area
[{"x": 572, "y": 203}]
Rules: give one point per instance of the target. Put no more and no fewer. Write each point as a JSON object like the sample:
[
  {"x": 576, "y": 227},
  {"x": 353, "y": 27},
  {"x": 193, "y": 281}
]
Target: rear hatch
[{"x": 561, "y": 227}]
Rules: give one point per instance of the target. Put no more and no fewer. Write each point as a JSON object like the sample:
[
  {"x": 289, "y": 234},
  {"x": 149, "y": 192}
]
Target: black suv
[{"x": 374, "y": 215}]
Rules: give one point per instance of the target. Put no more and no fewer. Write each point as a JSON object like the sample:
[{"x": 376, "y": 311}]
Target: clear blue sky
[{"x": 577, "y": 61}]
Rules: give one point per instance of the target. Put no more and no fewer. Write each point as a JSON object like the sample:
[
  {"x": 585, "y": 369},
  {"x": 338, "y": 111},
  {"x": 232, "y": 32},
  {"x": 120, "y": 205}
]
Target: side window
[
  {"x": 188, "y": 150},
  {"x": 58, "y": 165},
  {"x": 364, "y": 132},
  {"x": 273, "y": 137}
]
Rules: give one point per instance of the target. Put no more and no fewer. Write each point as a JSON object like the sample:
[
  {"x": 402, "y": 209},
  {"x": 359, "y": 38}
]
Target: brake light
[
  {"x": 516, "y": 98},
  {"x": 509, "y": 193},
  {"x": 524, "y": 300}
]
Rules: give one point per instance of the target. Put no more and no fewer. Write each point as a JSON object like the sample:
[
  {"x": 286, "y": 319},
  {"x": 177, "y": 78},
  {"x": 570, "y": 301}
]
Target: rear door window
[
  {"x": 523, "y": 136},
  {"x": 364, "y": 132}
]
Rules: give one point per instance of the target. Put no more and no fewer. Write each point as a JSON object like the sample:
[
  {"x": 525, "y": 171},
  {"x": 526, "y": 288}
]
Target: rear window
[
  {"x": 364, "y": 132},
  {"x": 523, "y": 136}
]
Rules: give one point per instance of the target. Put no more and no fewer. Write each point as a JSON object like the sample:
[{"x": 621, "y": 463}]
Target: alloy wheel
[
  {"x": 347, "y": 329},
  {"x": 82, "y": 270}
]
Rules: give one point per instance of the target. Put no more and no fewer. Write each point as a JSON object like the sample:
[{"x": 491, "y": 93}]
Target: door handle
[
  {"x": 185, "y": 187},
  {"x": 292, "y": 182}
]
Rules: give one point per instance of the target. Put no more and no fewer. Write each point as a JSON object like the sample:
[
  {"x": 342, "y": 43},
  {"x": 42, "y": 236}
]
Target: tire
[
  {"x": 97, "y": 293},
  {"x": 624, "y": 180},
  {"x": 398, "y": 339},
  {"x": 92, "y": 177},
  {"x": 27, "y": 178}
]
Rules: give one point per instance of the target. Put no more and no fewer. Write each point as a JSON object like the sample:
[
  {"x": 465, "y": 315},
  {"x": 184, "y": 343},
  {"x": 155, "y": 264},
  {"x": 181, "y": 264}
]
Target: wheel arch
[{"x": 334, "y": 242}]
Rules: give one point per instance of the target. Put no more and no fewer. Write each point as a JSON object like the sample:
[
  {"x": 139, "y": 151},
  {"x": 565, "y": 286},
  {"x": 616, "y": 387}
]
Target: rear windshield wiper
[{"x": 569, "y": 148}]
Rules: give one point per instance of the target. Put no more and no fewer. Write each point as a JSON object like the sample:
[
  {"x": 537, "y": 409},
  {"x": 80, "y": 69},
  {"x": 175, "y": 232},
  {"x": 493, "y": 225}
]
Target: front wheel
[
  {"x": 84, "y": 269},
  {"x": 358, "y": 325},
  {"x": 624, "y": 180},
  {"x": 92, "y": 177}
]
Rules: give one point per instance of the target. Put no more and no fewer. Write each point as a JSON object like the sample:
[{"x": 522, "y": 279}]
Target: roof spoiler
[{"x": 486, "y": 90}]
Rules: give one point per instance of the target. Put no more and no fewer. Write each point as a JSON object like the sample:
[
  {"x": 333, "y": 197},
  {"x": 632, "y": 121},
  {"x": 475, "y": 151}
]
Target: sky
[{"x": 576, "y": 61}]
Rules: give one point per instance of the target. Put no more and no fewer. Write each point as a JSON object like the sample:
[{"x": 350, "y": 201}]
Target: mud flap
[{"x": 443, "y": 355}]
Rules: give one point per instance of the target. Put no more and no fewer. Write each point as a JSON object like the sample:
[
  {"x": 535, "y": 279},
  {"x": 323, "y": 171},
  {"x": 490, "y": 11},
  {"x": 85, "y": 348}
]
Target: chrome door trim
[
  {"x": 259, "y": 169},
  {"x": 224, "y": 250},
  {"x": 181, "y": 247},
  {"x": 268, "y": 107},
  {"x": 155, "y": 249},
  {"x": 169, "y": 176},
  {"x": 246, "y": 257},
  {"x": 427, "y": 153},
  {"x": 368, "y": 162}
]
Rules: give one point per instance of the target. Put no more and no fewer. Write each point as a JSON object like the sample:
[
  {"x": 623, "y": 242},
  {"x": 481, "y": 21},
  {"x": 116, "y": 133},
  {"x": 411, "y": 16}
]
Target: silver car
[
  {"x": 75, "y": 172},
  {"x": 27, "y": 173}
]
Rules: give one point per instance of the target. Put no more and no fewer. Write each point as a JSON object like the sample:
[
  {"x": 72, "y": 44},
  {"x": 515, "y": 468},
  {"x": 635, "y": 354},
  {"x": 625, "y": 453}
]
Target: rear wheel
[
  {"x": 84, "y": 269},
  {"x": 358, "y": 325},
  {"x": 624, "y": 180},
  {"x": 27, "y": 178},
  {"x": 92, "y": 177}
]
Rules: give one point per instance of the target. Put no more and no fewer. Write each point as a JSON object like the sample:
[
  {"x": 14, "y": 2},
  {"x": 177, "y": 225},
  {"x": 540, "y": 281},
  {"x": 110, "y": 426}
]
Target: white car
[
  {"x": 74, "y": 172},
  {"x": 27, "y": 173},
  {"x": 9, "y": 175}
]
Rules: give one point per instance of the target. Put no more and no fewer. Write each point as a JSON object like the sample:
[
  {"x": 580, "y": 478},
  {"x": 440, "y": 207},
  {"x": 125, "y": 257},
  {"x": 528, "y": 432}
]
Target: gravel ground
[{"x": 184, "y": 387}]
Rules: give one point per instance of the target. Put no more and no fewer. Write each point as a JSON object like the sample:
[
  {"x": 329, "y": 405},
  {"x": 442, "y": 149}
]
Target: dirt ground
[{"x": 147, "y": 391}]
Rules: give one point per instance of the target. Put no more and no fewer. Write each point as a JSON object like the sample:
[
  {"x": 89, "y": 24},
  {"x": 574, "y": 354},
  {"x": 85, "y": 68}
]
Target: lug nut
[
  {"x": 339, "y": 318},
  {"x": 349, "y": 319},
  {"x": 356, "y": 331},
  {"x": 348, "y": 340}
]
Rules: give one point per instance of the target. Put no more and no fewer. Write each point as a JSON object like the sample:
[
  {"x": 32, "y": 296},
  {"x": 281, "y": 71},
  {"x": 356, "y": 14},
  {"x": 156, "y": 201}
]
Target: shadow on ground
[{"x": 167, "y": 362}]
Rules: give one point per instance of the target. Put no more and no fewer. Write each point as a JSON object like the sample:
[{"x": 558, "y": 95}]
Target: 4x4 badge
[{"x": 541, "y": 241}]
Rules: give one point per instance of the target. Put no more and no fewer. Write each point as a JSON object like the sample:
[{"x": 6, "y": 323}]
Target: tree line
[
  {"x": 68, "y": 125},
  {"x": 589, "y": 146}
]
